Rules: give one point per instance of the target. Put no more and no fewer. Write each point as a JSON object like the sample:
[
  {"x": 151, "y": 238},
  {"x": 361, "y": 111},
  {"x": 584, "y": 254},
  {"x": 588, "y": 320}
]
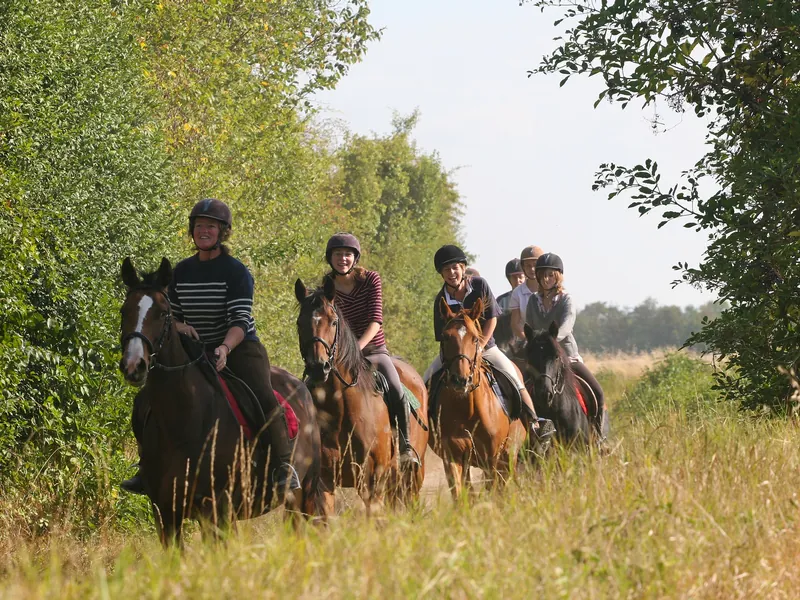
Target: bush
[{"x": 678, "y": 384}]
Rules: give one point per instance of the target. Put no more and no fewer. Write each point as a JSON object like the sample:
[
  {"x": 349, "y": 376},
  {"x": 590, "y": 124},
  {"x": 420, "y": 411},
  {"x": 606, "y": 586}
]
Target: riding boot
[
  {"x": 408, "y": 456},
  {"x": 135, "y": 484},
  {"x": 284, "y": 476},
  {"x": 541, "y": 429}
]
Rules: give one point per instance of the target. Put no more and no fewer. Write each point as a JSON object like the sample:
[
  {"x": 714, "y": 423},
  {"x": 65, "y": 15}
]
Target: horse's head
[
  {"x": 545, "y": 362},
  {"x": 317, "y": 328},
  {"x": 146, "y": 319},
  {"x": 461, "y": 345}
]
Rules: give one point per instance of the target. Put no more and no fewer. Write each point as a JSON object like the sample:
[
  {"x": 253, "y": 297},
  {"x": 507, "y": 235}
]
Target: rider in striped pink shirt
[{"x": 359, "y": 299}]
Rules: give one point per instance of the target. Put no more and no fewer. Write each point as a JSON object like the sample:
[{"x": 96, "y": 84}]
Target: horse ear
[
  {"x": 300, "y": 291},
  {"x": 528, "y": 332},
  {"x": 128, "y": 271},
  {"x": 445, "y": 310},
  {"x": 477, "y": 309},
  {"x": 553, "y": 330},
  {"x": 164, "y": 273},
  {"x": 329, "y": 288}
]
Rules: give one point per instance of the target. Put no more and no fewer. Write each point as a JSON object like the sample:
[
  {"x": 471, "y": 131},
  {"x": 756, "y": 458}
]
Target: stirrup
[
  {"x": 545, "y": 430},
  {"x": 286, "y": 478},
  {"x": 408, "y": 457}
]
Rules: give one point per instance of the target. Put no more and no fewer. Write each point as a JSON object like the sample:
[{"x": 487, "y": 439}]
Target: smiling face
[
  {"x": 206, "y": 233},
  {"x": 343, "y": 259},
  {"x": 453, "y": 274}
]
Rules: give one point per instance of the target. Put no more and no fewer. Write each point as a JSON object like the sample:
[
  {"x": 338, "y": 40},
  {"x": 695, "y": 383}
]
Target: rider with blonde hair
[{"x": 552, "y": 304}]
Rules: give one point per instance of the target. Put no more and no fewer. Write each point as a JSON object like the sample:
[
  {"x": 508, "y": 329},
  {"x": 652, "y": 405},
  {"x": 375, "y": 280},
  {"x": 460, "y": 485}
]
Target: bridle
[
  {"x": 330, "y": 350},
  {"x": 558, "y": 382},
  {"x": 473, "y": 363},
  {"x": 164, "y": 336}
]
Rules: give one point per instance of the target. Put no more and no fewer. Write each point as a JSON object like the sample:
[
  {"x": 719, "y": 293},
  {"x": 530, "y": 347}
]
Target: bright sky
[{"x": 524, "y": 151}]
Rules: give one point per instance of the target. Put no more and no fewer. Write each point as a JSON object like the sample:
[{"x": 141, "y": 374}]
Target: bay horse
[
  {"x": 195, "y": 459},
  {"x": 558, "y": 394},
  {"x": 472, "y": 427},
  {"x": 358, "y": 448}
]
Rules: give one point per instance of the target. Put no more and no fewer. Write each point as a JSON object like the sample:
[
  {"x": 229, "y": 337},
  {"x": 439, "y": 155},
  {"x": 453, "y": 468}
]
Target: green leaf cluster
[{"x": 736, "y": 64}]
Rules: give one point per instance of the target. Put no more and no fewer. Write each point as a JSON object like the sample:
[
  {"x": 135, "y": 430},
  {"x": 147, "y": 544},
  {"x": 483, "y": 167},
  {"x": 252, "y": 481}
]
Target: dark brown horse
[
  {"x": 472, "y": 428},
  {"x": 358, "y": 449},
  {"x": 195, "y": 460},
  {"x": 555, "y": 389}
]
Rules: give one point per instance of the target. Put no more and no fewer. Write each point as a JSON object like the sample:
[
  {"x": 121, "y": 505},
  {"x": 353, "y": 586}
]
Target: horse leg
[
  {"x": 453, "y": 470},
  {"x": 168, "y": 527}
]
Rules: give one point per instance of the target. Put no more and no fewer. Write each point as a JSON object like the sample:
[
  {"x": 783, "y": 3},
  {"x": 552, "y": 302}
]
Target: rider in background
[
  {"x": 553, "y": 304},
  {"x": 503, "y": 334},
  {"x": 522, "y": 294},
  {"x": 461, "y": 292},
  {"x": 211, "y": 295},
  {"x": 359, "y": 299}
]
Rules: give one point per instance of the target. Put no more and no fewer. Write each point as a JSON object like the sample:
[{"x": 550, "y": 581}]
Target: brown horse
[
  {"x": 357, "y": 442},
  {"x": 472, "y": 428},
  {"x": 195, "y": 460}
]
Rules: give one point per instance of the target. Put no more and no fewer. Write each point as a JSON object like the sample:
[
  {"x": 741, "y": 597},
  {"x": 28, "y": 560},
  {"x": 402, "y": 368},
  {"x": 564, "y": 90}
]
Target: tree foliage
[
  {"x": 403, "y": 205},
  {"x": 736, "y": 64},
  {"x": 82, "y": 182},
  {"x": 604, "y": 328}
]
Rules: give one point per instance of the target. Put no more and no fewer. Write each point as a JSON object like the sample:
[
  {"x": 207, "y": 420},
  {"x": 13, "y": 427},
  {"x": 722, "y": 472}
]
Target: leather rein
[
  {"x": 164, "y": 336},
  {"x": 330, "y": 350}
]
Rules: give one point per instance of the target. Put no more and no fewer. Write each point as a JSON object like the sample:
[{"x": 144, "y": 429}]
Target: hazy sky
[{"x": 524, "y": 151}]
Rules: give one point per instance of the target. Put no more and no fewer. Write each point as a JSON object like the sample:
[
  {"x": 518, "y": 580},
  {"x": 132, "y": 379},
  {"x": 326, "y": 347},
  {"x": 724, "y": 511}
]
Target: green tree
[
  {"x": 735, "y": 63},
  {"x": 83, "y": 183},
  {"x": 403, "y": 205}
]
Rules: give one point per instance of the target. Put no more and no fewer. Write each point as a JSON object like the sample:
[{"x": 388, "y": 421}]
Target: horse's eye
[{"x": 335, "y": 323}]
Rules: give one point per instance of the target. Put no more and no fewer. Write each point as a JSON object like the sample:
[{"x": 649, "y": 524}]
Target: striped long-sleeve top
[
  {"x": 362, "y": 306},
  {"x": 212, "y": 296}
]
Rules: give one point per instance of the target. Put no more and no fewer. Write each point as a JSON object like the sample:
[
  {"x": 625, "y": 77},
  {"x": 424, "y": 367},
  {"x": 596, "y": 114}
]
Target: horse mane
[
  {"x": 470, "y": 324},
  {"x": 569, "y": 376},
  {"x": 348, "y": 354}
]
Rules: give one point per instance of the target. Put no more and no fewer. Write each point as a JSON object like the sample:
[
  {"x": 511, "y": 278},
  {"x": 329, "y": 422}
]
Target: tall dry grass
[{"x": 694, "y": 501}]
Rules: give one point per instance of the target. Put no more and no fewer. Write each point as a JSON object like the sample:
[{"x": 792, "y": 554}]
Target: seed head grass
[{"x": 694, "y": 500}]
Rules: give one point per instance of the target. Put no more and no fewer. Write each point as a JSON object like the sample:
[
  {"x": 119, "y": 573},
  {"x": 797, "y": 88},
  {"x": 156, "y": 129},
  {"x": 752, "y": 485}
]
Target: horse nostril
[{"x": 326, "y": 368}]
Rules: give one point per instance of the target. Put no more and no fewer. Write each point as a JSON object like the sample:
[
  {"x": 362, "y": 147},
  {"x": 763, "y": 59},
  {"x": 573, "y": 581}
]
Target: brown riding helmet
[{"x": 530, "y": 253}]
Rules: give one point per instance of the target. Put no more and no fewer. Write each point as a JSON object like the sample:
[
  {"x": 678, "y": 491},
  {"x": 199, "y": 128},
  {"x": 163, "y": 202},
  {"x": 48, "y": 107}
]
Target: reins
[
  {"x": 473, "y": 362},
  {"x": 330, "y": 350},
  {"x": 164, "y": 336}
]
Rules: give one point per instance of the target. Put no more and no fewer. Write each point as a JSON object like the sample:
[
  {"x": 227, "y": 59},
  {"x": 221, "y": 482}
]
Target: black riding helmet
[
  {"x": 343, "y": 240},
  {"x": 550, "y": 261},
  {"x": 513, "y": 266},
  {"x": 446, "y": 255}
]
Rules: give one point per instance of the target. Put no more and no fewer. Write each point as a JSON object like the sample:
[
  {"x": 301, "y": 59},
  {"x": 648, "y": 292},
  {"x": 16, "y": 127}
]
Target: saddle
[
  {"x": 241, "y": 399},
  {"x": 408, "y": 396},
  {"x": 503, "y": 387}
]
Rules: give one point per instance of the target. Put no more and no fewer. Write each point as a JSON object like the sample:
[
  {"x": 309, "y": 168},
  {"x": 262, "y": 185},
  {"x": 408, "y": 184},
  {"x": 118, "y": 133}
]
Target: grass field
[{"x": 694, "y": 501}]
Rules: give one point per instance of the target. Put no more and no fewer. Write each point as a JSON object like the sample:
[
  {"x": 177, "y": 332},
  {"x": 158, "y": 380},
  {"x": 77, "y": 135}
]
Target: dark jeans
[
  {"x": 584, "y": 373},
  {"x": 250, "y": 363}
]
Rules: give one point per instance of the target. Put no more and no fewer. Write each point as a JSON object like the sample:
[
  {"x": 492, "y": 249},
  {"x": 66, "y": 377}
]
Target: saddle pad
[
  {"x": 292, "y": 423},
  {"x": 237, "y": 411},
  {"x": 582, "y": 402},
  {"x": 413, "y": 401}
]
